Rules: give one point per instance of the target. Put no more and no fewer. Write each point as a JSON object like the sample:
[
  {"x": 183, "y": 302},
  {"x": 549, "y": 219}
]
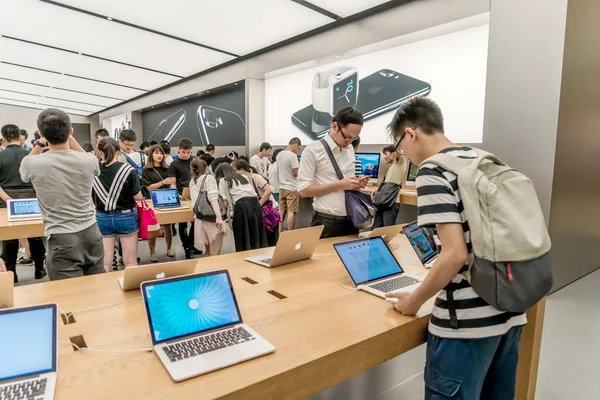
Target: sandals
[
  {"x": 153, "y": 259},
  {"x": 170, "y": 253}
]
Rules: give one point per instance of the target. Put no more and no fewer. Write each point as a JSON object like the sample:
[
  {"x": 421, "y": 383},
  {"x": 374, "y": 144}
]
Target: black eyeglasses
[
  {"x": 346, "y": 137},
  {"x": 397, "y": 149}
]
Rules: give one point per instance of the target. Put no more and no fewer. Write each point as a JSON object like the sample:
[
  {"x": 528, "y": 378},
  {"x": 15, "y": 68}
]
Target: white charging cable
[
  {"x": 353, "y": 288},
  {"x": 142, "y": 350},
  {"x": 69, "y": 315}
]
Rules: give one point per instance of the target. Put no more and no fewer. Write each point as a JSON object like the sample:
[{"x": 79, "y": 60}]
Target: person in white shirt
[
  {"x": 260, "y": 160},
  {"x": 166, "y": 146},
  {"x": 127, "y": 139},
  {"x": 317, "y": 177},
  {"x": 288, "y": 183},
  {"x": 274, "y": 174}
]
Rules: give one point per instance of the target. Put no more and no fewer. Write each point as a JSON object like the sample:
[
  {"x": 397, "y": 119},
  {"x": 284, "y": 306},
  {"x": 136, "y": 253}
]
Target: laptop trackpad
[{"x": 223, "y": 357}]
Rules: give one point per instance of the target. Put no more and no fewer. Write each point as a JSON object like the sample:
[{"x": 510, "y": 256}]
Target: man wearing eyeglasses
[{"x": 318, "y": 179}]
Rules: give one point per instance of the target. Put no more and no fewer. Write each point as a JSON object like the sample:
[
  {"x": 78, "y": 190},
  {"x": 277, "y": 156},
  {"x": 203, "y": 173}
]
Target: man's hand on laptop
[
  {"x": 2, "y": 266},
  {"x": 405, "y": 304}
]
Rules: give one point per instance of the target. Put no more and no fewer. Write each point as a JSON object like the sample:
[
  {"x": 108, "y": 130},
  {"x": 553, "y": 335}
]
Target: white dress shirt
[{"x": 316, "y": 168}]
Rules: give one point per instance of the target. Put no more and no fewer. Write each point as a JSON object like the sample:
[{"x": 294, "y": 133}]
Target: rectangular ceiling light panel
[{"x": 345, "y": 8}]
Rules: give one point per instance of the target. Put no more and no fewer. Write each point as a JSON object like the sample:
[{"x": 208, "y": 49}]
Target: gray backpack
[{"x": 512, "y": 268}]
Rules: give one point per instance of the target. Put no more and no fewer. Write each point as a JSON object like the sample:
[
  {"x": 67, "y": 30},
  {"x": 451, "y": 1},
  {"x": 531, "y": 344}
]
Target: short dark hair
[
  {"x": 295, "y": 140},
  {"x": 356, "y": 142},
  {"x": 23, "y": 132},
  {"x": 274, "y": 155},
  {"x": 348, "y": 115},
  {"x": 200, "y": 153},
  {"x": 10, "y": 132},
  {"x": 419, "y": 111},
  {"x": 210, "y": 147},
  {"x": 153, "y": 143},
  {"x": 144, "y": 145},
  {"x": 390, "y": 148},
  {"x": 166, "y": 146},
  {"x": 265, "y": 146},
  {"x": 54, "y": 125},
  {"x": 101, "y": 133},
  {"x": 185, "y": 144},
  {"x": 127, "y": 135},
  {"x": 87, "y": 146}
]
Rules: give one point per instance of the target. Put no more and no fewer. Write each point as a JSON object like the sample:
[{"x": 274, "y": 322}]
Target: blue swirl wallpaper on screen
[{"x": 191, "y": 305}]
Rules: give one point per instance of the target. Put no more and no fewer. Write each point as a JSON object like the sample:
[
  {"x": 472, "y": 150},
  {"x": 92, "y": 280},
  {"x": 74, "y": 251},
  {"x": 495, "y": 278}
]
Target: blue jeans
[
  {"x": 472, "y": 369},
  {"x": 120, "y": 222}
]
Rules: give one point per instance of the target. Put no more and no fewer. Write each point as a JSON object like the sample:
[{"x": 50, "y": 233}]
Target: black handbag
[
  {"x": 386, "y": 195},
  {"x": 203, "y": 209}
]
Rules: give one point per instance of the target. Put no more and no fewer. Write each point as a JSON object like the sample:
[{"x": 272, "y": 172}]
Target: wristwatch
[
  {"x": 334, "y": 89},
  {"x": 39, "y": 143}
]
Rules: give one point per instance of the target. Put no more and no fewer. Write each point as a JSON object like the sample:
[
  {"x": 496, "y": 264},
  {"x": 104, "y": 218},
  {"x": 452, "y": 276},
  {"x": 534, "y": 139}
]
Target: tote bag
[
  {"x": 149, "y": 226},
  {"x": 271, "y": 216},
  {"x": 203, "y": 209}
]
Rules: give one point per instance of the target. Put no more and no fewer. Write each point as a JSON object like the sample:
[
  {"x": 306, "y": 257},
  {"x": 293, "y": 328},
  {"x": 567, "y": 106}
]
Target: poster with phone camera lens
[
  {"x": 218, "y": 118},
  {"x": 448, "y": 66}
]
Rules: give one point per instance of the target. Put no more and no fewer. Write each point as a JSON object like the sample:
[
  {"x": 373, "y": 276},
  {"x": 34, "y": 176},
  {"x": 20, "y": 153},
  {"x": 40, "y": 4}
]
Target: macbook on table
[
  {"x": 292, "y": 246},
  {"x": 196, "y": 325},
  {"x": 373, "y": 268},
  {"x": 133, "y": 276},
  {"x": 28, "y": 358},
  {"x": 7, "y": 289},
  {"x": 166, "y": 199},
  {"x": 386, "y": 232},
  {"x": 23, "y": 209},
  {"x": 421, "y": 240}
]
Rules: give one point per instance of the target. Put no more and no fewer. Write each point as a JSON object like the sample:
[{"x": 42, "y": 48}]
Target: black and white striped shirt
[
  {"x": 115, "y": 188},
  {"x": 439, "y": 202}
]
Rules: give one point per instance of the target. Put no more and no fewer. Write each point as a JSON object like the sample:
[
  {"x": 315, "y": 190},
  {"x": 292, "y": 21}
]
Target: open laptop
[
  {"x": 196, "y": 325},
  {"x": 421, "y": 240},
  {"x": 166, "y": 199},
  {"x": 135, "y": 275},
  {"x": 386, "y": 232},
  {"x": 28, "y": 341},
  {"x": 292, "y": 246},
  {"x": 23, "y": 209},
  {"x": 7, "y": 289},
  {"x": 373, "y": 268}
]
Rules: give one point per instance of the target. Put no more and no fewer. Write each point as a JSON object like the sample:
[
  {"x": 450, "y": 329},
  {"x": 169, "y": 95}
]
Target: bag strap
[
  {"x": 336, "y": 167},
  {"x": 161, "y": 177},
  {"x": 452, "y": 308}
]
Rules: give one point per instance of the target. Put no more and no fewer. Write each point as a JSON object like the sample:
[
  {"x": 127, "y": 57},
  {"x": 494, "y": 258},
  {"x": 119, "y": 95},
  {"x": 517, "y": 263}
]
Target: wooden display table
[
  {"x": 324, "y": 334},
  {"x": 27, "y": 229}
]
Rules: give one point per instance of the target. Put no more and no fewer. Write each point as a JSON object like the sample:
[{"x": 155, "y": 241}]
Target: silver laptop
[
  {"x": 421, "y": 240},
  {"x": 166, "y": 199},
  {"x": 386, "y": 232},
  {"x": 28, "y": 340},
  {"x": 135, "y": 275},
  {"x": 23, "y": 209},
  {"x": 196, "y": 325},
  {"x": 292, "y": 246},
  {"x": 373, "y": 268}
]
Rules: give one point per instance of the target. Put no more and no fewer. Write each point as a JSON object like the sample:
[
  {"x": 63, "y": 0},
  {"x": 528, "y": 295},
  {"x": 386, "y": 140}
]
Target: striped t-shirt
[
  {"x": 439, "y": 202},
  {"x": 357, "y": 166}
]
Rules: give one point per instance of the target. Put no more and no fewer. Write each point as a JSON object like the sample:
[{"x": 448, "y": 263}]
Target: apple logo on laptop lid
[
  {"x": 298, "y": 245},
  {"x": 161, "y": 275}
]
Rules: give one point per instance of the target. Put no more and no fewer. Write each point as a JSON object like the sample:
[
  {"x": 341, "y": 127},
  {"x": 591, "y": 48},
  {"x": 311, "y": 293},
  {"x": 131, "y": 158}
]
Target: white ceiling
[{"x": 87, "y": 55}]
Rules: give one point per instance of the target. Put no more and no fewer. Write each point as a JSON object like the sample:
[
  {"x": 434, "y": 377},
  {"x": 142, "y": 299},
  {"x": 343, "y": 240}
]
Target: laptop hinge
[{"x": 204, "y": 333}]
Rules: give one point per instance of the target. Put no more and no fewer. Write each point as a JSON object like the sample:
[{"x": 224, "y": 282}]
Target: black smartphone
[
  {"x": 220, "y": 127},
  {"x": 378, "y": 93}
]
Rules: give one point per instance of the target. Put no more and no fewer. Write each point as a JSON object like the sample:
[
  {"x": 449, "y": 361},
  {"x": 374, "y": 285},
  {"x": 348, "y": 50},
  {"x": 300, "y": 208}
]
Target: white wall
[{"x": 26, "y": 118}]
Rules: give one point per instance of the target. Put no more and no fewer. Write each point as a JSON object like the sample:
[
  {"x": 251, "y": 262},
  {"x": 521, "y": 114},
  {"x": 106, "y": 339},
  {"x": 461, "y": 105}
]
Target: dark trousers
[
  {"x": 10, "y": 250},
  {"x": 333, "y": 225},
  {"x": 187, "y": 240},
  {"x": 386, "y": 217}
]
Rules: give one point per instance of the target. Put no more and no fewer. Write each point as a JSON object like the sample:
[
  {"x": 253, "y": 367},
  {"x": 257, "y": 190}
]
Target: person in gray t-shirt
[{"x": 62, "y": 179}]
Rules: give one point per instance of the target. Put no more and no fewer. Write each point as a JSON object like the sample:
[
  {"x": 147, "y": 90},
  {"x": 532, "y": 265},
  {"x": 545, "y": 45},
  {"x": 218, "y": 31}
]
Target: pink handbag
[{"x": 149, "y": 226}]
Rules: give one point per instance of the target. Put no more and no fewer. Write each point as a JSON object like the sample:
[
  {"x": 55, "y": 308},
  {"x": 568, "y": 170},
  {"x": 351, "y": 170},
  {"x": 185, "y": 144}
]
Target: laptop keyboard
[
  {"x": 204, "y": 344},
  {"x": 265, "y": 261},
  {"x": 394, "y": 284},
  {"x": 24, "y": 390}
]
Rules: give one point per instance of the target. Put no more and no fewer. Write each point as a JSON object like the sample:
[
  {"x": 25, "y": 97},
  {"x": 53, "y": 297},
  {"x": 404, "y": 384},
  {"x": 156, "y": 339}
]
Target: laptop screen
[
  {"x": 166, "y": 197},
  {"x": 369, "y": 163},
  {"x": 367, "y": 259},
  {"x": 190, "y": 304},
  {"x": 422, "y": 241},
  {"x": 28, "y": 340},
  {"x": 24, "y": 207}
]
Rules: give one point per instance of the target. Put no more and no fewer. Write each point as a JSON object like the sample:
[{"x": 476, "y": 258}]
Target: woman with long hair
[
  {"x": 154, "y": 177},
  {"x": 115, "y": 193},
  {"x": 209, "y": 233},
  {"x": 248, "y": 226},
  {"x": 262, "y": 189}
]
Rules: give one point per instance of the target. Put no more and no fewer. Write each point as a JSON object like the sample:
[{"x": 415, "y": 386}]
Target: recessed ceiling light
[
  {"x": 235, "y": 84},
  {"x": 208, "y": 91},
  {"x": 79, "y": 53},
  {"x": 185, "y": 97},
  {"x": 337, "y": 56},
  {"x": 109, "y": 18},
  {"x": 152, "y": 106}
]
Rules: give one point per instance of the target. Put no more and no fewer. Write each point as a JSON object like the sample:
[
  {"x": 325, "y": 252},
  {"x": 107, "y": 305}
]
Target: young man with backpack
[
  {"x": 473, "y": 346},
  {"x": 137, "y": 159}
]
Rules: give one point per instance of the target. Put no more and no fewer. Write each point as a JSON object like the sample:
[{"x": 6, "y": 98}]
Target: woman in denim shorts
[{"x": 115, "y": 193}]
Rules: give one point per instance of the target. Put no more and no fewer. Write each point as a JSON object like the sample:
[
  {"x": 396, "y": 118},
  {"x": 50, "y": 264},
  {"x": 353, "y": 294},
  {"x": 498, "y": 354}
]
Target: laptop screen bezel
[
  {"x": 54, "y": 309},
  {"x": 164, "y": 205},
  {"x": 144, "y": 285},
  {"x": 9, "y": 206},
  {"x": 424, "y": 260},
  {"x": 373, "y": 238}
]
